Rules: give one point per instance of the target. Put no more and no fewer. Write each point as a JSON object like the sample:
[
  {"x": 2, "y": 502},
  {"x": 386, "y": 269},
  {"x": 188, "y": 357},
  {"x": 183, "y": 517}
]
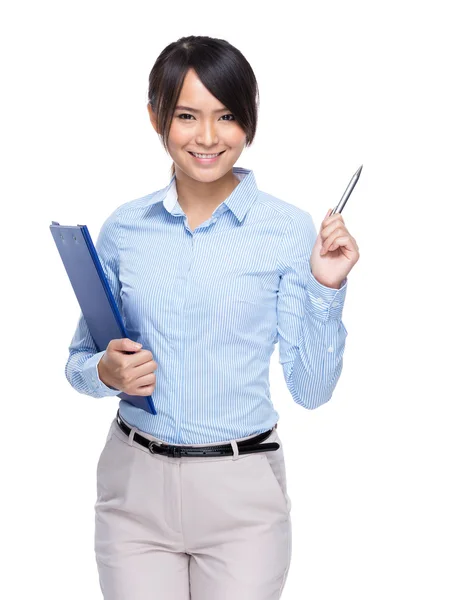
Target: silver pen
[{"x": 340, "y": 207}]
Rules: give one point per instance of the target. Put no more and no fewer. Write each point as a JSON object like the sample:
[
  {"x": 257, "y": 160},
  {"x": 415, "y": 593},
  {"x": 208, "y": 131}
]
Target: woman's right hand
[{"x": 127, "y": 368}]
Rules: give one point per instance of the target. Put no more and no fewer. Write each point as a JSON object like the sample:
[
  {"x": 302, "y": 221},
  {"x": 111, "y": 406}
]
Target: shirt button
[
  {"x": 335, "y": 304},
  {"x": 330, "y": 349},
  {"x": 319, "y": 300}
]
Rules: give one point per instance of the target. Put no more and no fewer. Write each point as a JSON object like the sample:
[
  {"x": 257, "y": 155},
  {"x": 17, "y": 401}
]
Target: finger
[
  {"x": 331, "y": 232},
  {"x": 335, "y": 241},
  {"x": 328, "y": 221},
  {"x": 339, "y": 242},
  {"x": 355, "y": 245},
  {"x": 146, "y": 380},
  {"x": 325, "y": 218}
]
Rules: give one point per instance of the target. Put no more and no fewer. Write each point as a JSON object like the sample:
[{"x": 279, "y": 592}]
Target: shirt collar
[{"x": 239, "y": 201}]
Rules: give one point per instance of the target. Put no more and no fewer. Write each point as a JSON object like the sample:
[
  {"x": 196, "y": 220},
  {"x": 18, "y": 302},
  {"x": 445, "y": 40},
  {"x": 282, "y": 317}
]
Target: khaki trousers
[{"x": 191, "y": 528}]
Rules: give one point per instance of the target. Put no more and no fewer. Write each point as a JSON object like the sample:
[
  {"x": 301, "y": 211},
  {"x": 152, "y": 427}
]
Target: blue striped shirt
[{"x": 211, "y": 305}]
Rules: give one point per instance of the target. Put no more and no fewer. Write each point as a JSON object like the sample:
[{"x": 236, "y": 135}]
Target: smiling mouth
[{"x": 218, "y": 154}]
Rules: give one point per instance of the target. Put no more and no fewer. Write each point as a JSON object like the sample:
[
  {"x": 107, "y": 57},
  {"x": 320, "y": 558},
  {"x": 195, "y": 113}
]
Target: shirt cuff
[
  {"x": 90, "y": 372},
  {"x": 322, "y": 302}
]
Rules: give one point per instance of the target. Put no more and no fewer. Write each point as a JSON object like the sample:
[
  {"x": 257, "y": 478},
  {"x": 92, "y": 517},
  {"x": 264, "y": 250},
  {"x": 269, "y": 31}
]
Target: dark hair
[{"x": 222, "y": 69}]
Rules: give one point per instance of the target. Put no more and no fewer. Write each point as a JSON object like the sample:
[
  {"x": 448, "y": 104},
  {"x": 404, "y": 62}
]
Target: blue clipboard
[{"x": 93, "y": 293}]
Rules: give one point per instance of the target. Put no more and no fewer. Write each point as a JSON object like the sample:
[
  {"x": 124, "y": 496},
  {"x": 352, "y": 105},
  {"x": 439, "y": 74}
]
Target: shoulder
[
  {"x": 132, "y": 208},
  {"x": 125, "y": 213},
  {"x": 141, "y": 203},
  {"x": 292, "y": 215},
  {"x": 297, "y": 233}
]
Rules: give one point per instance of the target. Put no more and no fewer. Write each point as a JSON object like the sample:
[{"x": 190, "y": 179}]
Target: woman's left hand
[{"x": 335, "y": 252}]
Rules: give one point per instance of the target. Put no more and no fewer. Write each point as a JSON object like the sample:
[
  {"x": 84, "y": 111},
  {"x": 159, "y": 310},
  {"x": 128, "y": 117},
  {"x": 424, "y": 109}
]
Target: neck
[{"x": 199, "y": 196}]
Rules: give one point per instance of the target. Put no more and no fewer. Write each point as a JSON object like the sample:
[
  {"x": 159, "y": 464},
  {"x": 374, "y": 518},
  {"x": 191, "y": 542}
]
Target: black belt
[{"x": 245, "y": 447}]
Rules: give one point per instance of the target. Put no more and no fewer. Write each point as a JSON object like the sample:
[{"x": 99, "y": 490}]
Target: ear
[{"x": 152, "y": 116}]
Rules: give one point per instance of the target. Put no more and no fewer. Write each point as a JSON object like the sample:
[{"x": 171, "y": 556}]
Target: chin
[{"x": 205, "y": 174}]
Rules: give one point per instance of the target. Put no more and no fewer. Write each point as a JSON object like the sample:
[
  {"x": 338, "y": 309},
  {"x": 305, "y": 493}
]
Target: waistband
[{"x": 246, "y": 446}]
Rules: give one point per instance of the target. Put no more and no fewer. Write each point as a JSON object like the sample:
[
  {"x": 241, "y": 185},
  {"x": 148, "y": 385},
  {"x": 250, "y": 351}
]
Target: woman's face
[{"x": 208, "y": 129}]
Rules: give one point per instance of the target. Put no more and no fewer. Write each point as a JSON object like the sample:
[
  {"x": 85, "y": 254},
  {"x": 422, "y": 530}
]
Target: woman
[{"x": 209, "y": 273}]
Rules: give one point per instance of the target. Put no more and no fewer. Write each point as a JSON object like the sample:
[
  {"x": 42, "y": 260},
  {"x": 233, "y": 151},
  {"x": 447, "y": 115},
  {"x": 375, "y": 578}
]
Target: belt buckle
[{"x": 151, "y": 444}]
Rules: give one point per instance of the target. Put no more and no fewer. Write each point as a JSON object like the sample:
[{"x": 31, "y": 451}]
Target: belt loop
[
  {"x": 131, "y": 435},
  {"x": 235, "y": 449}
]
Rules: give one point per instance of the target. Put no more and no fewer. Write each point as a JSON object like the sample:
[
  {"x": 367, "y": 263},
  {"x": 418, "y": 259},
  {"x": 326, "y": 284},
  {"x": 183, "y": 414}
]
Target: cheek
[
  {"x": 178, "y": 135},
  {"x": 236, "y": 137}
]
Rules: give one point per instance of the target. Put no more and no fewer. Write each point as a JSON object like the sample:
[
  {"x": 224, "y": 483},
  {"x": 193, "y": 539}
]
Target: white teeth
[{"x": 205, "y": 155}]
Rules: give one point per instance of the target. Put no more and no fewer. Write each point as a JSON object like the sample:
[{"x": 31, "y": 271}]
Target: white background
[{"x": 342, "y": 84}]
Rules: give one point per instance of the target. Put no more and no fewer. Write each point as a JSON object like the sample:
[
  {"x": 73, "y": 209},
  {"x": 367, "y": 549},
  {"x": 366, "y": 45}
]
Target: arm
[
  {"x": 311, "y": 334},
  {"x": 81, "y": 369}
]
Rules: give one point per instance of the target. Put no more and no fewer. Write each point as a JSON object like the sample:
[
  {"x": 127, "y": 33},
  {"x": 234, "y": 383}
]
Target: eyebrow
[{"x": 199, "y": 111}]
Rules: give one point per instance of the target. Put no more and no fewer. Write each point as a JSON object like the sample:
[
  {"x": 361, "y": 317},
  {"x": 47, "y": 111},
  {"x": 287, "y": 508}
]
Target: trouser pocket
[{"x": 276, "y": 469}]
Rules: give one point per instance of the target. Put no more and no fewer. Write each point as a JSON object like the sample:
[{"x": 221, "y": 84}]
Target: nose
[{"x": 206, "y": 134}]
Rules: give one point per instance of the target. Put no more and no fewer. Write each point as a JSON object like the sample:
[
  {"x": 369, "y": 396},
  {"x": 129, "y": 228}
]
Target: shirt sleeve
[
  {"x": 81, "y": 369},
  {"x": 310, "y": 331}
]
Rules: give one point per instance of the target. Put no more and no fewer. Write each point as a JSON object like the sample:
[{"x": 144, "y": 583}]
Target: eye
[{"x": 189, "y": 115}]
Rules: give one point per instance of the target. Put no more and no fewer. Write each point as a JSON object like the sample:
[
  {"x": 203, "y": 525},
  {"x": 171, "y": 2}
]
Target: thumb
[{"x": 127, "y": 345}]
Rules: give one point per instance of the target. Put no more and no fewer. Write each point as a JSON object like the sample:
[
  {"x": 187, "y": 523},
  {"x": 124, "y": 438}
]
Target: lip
[{"x": 206, "y": 160}]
